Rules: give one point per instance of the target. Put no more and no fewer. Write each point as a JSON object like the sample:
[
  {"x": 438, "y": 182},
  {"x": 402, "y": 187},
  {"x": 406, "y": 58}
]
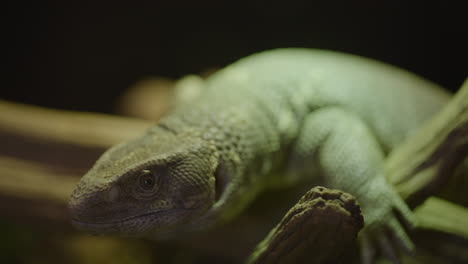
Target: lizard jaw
[{"x": 133, "y": 226}]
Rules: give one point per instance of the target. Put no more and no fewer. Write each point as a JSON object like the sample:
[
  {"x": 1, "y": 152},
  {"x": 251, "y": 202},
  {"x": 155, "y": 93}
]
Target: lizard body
[{"x": 275, "y": 118}]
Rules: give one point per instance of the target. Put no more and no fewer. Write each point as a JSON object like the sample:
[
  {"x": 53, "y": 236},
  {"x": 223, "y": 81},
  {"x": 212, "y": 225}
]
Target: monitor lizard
[{"x": 275, "y": 118}]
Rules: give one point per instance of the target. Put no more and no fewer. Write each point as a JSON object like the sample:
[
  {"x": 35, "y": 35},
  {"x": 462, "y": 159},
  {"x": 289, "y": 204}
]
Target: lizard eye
[{"x": 148, "y": 181}]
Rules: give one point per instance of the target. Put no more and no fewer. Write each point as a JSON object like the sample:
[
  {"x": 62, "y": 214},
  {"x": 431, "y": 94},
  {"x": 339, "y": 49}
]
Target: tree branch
[{"x": 308, "y": 231}]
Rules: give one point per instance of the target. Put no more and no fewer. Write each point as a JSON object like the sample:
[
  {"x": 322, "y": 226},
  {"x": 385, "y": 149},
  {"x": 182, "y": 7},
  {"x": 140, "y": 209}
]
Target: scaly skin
[{"x": 276, "y": 118}]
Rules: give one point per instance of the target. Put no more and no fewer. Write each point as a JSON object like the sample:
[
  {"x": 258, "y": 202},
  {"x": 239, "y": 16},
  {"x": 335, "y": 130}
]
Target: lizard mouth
[{"x": 125, "y": 225}]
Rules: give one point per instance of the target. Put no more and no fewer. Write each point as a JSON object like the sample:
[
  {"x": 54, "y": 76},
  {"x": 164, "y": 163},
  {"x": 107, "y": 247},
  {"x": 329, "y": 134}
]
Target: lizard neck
[{"x": 245, "y": 156}]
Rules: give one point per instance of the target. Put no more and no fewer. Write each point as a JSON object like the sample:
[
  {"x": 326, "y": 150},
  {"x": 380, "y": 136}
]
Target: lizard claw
[
  {"x": 388, "y": 249},
  {"x": 388, "y": 238},
  {"x": 368, "y": 251}
]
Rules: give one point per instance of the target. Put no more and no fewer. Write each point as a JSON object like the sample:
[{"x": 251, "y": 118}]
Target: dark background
[{"x": 81, "y": 56}]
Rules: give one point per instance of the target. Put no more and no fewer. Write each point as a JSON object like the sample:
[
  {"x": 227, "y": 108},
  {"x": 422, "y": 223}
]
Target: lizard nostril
[{"x": 90, "y": 209}]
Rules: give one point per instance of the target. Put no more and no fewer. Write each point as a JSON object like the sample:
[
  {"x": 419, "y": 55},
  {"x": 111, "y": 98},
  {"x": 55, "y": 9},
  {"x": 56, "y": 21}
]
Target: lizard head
[{"x": 153, "y": 186}]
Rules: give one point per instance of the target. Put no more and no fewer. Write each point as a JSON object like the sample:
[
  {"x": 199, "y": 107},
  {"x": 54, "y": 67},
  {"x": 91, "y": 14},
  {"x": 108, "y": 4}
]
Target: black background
[{"x": 81, "y": 55}]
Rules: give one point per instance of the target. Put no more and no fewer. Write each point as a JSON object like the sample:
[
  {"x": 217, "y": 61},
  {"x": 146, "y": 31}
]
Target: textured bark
[{"x": 308, "y": 231}]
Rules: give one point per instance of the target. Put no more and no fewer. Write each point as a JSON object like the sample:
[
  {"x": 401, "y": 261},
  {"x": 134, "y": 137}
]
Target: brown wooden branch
[{"x": 308, "y": 231}]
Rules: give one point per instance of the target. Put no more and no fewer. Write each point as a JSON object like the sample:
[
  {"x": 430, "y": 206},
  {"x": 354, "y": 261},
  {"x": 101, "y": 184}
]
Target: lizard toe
[
  {"x": 400, "y": 237},
  {"x": 386, "y": 240},
  {"x": 388, "y": 249},
  {"x": 368, "y": 250}
]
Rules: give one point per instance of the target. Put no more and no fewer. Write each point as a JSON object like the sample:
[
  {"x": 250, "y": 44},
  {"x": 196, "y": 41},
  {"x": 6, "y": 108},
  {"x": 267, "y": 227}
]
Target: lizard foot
[{"x": 388, "y": 237}]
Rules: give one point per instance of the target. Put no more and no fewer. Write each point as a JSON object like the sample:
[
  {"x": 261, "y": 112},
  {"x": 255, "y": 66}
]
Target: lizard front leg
[{"x": 342, "y": 148}]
